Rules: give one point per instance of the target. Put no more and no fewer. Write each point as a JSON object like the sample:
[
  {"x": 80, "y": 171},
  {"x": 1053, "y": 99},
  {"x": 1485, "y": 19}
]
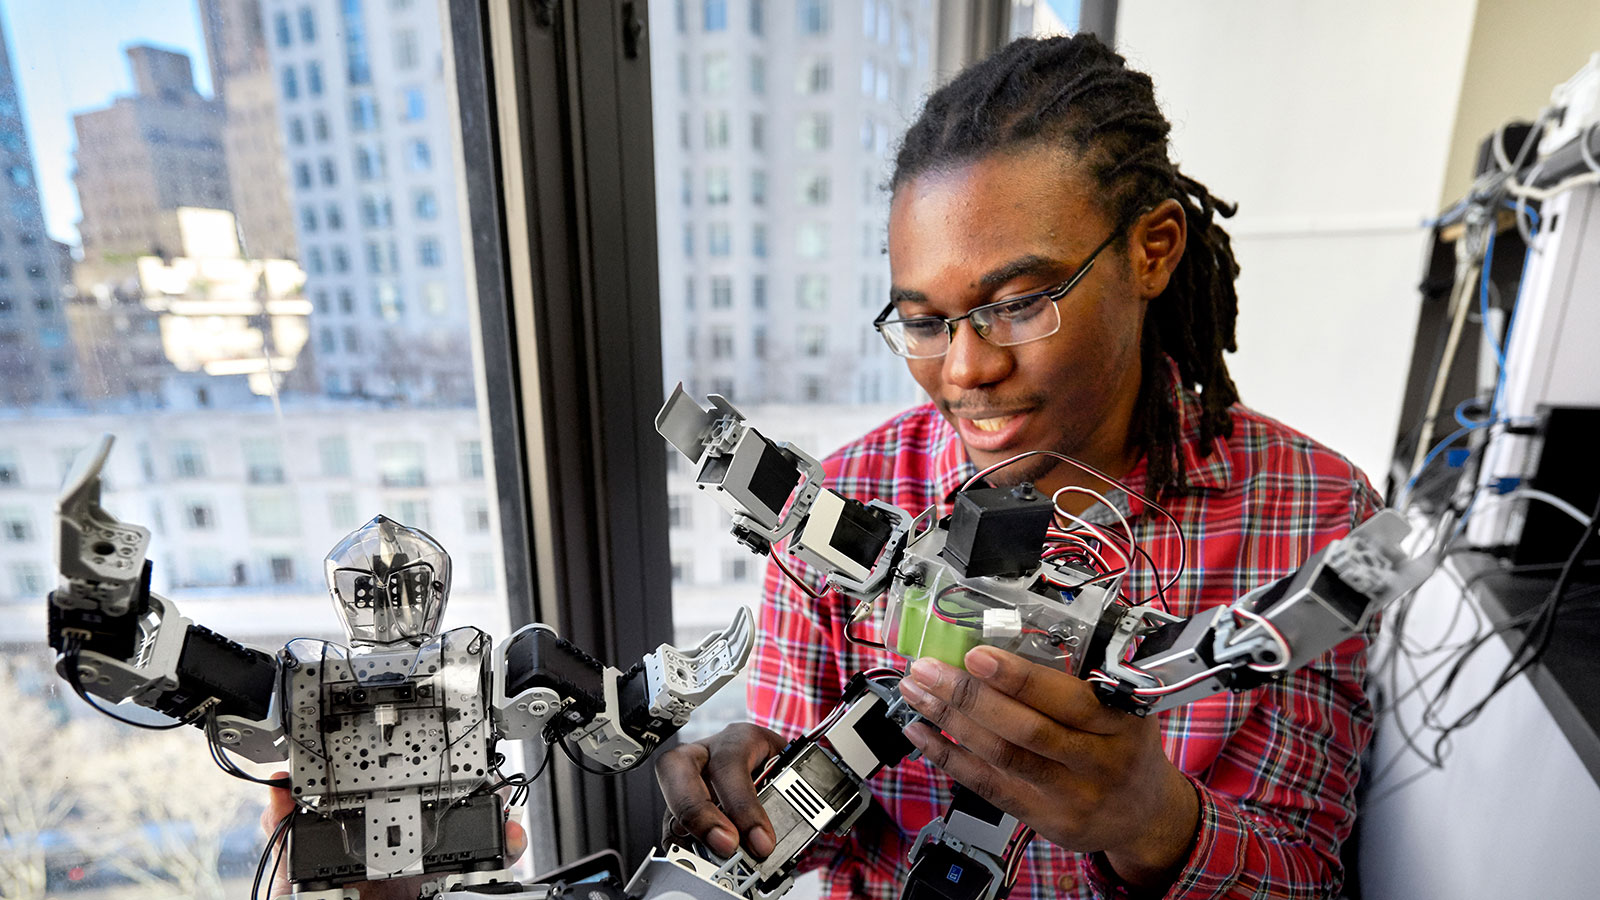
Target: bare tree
[{"x": 40, "y": 756}]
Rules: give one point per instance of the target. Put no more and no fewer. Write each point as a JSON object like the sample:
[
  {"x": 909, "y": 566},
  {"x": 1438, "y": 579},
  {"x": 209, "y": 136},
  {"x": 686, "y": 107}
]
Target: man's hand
[
  {"x": 1037, "y": 743},
  {"x": 695, "y": 777},
  {"x": 281, "y": 804}
]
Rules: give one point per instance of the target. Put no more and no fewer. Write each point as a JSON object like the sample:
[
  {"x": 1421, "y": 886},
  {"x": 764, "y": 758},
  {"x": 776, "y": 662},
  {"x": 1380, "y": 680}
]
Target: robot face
[{"x": 389, "y": 583}]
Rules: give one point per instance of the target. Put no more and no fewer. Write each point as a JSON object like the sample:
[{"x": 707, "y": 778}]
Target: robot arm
[
  {"x": 119, "y": 641},
  {"x": 545, "y": 686}
]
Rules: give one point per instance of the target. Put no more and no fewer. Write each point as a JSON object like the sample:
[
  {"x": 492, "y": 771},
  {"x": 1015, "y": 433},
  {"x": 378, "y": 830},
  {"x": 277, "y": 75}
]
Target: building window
[
  {"x": 197, "y": 515},
  {"x": 758, "y": 131},
  {"x": 363, "y": 113},
  {"x": 758, "y": 240},
  {"x": 188, "y": 460},
  {"x": 263, "y": 461},
  {"x": 291, "y": 84},
  {"x": 475, "y": 512},
  {"x": 719, "y": 241},
  {"x": 812, "y": 131},
  {"x": 813, "y": 341},
  {"x": 429, "y": 256},
  {"x": 369, "y": 162},
  {"x": 814, "y": 76},
  {"x": 688, "y": 292},
  {"x": 297, "y": 132},
  {"x": 425, "y": 205},
  {"x": 718, "y": 72},
  {"x": 280, "y": 29},
  {"x": 758, "y": 342},
  {"x": 400, "y": 464},
  {"x": 406, "y": 53},
  {"x": 688, "y": 242},
  {"x": 319, "y": 127},
  {"x": 811, "y": 292},
  {"x": 814, "y": 16},
  {"x": 334, "y": 217},
  {"x": 717, "y": 189},
  {"x": 717, "y": 130},
  {"x": 758, "y": 292},
  {"x": 271, "y": 514},
  {"x": 15, "y": 525},
  {"x": 758, "y": 75},
  {"x": 334, "y": 453},
  {"x": 758, "y": 187},
  {"x": 314, "y": 79},
  {"x": 308, "y": 25},
  {"x": 27, "y": 579},
  {"x": 282, "y": 569},
  {"x": 480, "y": 572},
  {"x": 811, "y": 240},
  {"x": 721, "y": 292},
  {"x": 330, "y": 175},
  {"x": 413, "y": 513},
  {"x": 814, "y": 187},
  {"x": 758, "y": 17},
  {"x": 721, "y": 342},
  {"x": 678, "y": 511},
  {"x": 341, "y": 259},
  {"x": 716, "y": 17},
  {"x": 308, "y": 218},
  {"x": 471, "y": 459},
  {"x": 342, "y": 511},
  {"x": 415, "y": 105},
  {"x": 10, "y": 473},
  {"x": 419, "y": 157},
  {"x": 736, "y": 568}
]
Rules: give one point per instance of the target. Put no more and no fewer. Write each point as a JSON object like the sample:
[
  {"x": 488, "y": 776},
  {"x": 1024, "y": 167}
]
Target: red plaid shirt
[{"x": 1276, "y": 767}]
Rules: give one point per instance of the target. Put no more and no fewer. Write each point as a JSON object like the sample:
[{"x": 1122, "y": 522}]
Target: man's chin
[{"x": 1029, "y": 469}]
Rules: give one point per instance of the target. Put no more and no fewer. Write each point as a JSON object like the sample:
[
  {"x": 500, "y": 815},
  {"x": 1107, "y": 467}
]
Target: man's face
[{"x": 1000, "y": 227}]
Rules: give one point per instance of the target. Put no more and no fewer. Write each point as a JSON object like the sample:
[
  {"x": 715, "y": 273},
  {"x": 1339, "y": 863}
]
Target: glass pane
[
  {"x": 802, "y": 105},
  {"x": 231, "y": 235}
]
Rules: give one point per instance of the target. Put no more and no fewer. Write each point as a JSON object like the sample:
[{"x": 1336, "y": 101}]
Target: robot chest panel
[{"x": 389, "y": 719}]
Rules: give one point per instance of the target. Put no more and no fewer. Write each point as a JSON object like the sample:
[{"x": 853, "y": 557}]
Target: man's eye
[
  {"x": 1018, "y": 310},
  {"x": 923, "y": 328}
]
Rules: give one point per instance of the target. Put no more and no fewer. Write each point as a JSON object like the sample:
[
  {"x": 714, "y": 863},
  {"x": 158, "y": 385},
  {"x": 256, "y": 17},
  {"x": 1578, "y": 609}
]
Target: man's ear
[{"x": 1155, "y": 245}]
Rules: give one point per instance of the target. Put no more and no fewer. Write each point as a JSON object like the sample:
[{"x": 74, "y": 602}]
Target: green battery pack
[{"x": 923, "y": 634}]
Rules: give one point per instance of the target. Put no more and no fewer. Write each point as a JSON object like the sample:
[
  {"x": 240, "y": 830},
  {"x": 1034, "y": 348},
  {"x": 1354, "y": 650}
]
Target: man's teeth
[{"x": 994, "y": 424}]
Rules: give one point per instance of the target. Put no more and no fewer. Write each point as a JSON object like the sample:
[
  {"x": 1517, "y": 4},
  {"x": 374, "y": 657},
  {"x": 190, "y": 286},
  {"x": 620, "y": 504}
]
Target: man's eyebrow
[{"x": 1032, "y": 264}]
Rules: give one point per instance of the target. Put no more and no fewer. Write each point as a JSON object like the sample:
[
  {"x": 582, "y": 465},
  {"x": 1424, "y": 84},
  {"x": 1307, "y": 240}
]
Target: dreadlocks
[{"x": 1078, "y": 94}]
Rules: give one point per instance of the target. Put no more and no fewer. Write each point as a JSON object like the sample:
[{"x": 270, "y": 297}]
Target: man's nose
[{"x": 973, "y": 362}]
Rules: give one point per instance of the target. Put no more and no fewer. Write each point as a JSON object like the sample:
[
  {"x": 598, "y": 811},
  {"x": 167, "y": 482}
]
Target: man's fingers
[
  {"x": 991, "y": 738},
  {"x": 1062, "y": 697},
  {"x": 968, "y": 768},
  {"x": 681, "y": 773},
  {"x": 732, "y": 768},
  {"x": 516, "y": 841}
]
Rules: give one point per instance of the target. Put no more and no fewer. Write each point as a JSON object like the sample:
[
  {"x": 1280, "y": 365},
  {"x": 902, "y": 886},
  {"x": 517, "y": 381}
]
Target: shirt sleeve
[{"x": 1279, "y": 801}]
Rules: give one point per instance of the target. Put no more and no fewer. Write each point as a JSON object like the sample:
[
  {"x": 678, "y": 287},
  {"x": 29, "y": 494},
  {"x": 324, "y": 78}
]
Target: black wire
[
  {"x": 279, "y": 833},
  {"x": 70, "y": 658},
  {"x": 219, "y": 755}
]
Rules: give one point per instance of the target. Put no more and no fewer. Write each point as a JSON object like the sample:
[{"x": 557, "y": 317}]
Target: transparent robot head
[{"x": 389, "y": 582}]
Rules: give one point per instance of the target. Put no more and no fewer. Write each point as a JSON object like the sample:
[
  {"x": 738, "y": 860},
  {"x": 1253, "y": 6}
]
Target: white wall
[{"x": 1329, "y": 124}]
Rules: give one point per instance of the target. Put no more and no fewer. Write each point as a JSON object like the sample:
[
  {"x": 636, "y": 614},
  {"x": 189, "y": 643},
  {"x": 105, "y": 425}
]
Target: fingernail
[
  {"x": 761, "y": 842},
  {"x": 912, "y": 691},
  {"x": 981, "y": 662},
  {"x": 927, "y": 670},
  {"x": 722, "y": 841}
]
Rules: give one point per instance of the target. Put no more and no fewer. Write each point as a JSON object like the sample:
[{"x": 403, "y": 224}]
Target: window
[
  {"x": 758, "y": 187},
  {"x": 197, "y": 515},
  {"x": 811, "y": 240},
  {"x": 683, "y": 74},
  {"x": 308, "y": 218},
  {"x": 342, "y": 511},
  {"x": 758, "y": 17},
  {"x": 736, "y": 568},
  {"x": 263, "y": 461},
  {"x": 412, "y": 512},
  {"x": 717, "y": 130},
  {"x": 688, "y": 293},
  {"x": 688, "y": 187},
  {"x": 814, "y": 187},
  {"x": 308, "y": 25},
  {"x": 188, "y": 460},
  {"x": 425, "y": 205},
  {"x": 329, "y": 173},
  {"x": 363, "y": 113},
  {"x": 297, "y": 132},
  {"x": 758, "y": 240},
  {"x": 678, "y": 511},
  {"x": 758, "y": 292},
  {"x": 475, "y": 514},
  {"x": 718, "y": 72},
  {"x": 291, "y": 84},
  {"x": 758, "y": 131},
  {"x": 814, "y": 16},
  {"x": 282, "y": 568},
  {"x": 811, "y": 292},
  {"x": 716, "y": 17},
  {"x": 758, "y": 75},
  {"x": 480, "y": 572},
  {"x": 812, "y": 340},
  {"x": 718, "y": 239},
  {"x": 400, "y": 464},
  {"x": 347, "y": 303},
  {"x": 319, "y": 127},
  {"x": 429, "y": 256},
  {"x": 369, "y": 162},
  {"x": 434, "y": 298},
  {"x": 415, "y": 105},
  {"x": 16, "y": 525},
  {"x": 721, "y": 292},
  {"x": 271, "y": 514},
  {"x": 688, "y": 242},
  {"x": 333, "y": 217},
  {"x": 314, "y": 79},
  {"x": 419, "y": 157},
  {"x": 721, "y": 342},
  {"x": 10, "y": 472},
  {"x": 812, "y": 131},
  {"x": 334, "y": 452},
  {"x": 813, "y": 76},
  {"x": 280, "y": 29},
  {"x": 717, "y": 191},
  {"x": 406, "y": 53},
  {"x": 341, "y": 258},
  {"x": 471, "y": 459}
]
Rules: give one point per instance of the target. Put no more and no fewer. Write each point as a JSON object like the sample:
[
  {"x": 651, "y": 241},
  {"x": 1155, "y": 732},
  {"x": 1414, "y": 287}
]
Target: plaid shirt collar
[{"x": 1205, "y": 472}]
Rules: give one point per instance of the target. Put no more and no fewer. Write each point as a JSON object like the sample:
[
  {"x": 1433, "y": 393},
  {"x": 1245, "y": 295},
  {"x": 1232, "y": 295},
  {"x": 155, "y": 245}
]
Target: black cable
[
  {"x": 279, "y": 833},
  {"x": 70, "y": 658},
  {"x": 219, "y": 755}
]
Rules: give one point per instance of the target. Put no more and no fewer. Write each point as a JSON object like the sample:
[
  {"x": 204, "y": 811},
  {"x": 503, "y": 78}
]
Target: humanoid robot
[
  {"x": 390, "y": 741},
  {"x": 1007, "y": 568}
]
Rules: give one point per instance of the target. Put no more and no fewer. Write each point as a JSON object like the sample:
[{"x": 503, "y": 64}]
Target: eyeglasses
[{"x": 1005, "y": 323}]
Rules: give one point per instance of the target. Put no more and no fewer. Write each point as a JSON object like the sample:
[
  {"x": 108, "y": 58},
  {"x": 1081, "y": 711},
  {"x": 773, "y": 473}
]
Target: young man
[{"x": 1040, "y": 165}]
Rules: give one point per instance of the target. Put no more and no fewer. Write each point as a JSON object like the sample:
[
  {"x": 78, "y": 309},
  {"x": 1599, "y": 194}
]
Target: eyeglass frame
[{"x": 1054, "y": 294}]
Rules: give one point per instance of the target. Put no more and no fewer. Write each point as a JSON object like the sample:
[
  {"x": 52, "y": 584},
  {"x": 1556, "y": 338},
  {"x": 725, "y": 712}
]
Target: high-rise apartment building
[
  {"x": 37, "y": 366},
  {"x": 140, "y": 159},
  {"x": 776, "y": 125},
  {"x": 363, "y": 103},
  {"x": 241, "y": 79}
]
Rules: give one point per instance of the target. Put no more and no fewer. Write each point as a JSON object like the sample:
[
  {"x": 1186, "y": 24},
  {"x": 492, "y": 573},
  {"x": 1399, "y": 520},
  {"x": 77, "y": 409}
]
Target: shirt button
[{"x": 1066, "y": 882}]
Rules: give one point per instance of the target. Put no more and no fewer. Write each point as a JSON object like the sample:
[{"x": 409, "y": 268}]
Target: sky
[{"x": 67, "y": 56}]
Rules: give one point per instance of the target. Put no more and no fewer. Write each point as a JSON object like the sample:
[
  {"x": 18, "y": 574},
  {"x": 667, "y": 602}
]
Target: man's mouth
[
  {"x": 990, "y": 433},
  {"x": 992, "y": 424}
]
